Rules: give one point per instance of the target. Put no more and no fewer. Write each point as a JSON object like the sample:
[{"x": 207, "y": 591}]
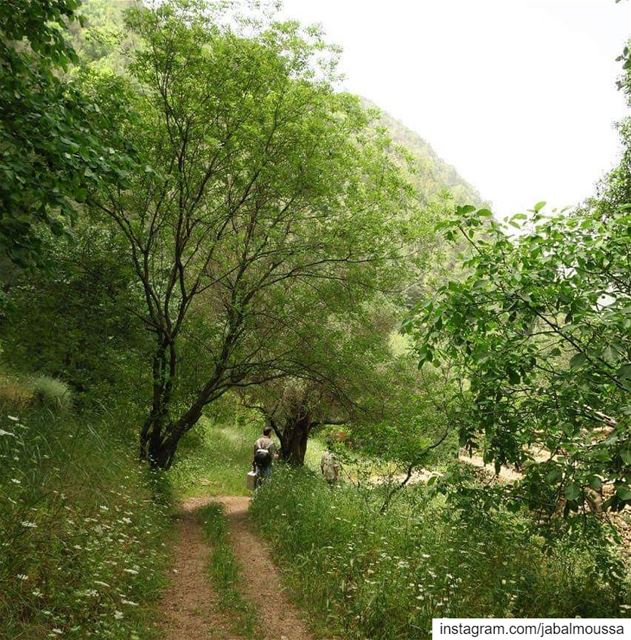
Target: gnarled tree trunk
[{"x": 294, "y": 437}]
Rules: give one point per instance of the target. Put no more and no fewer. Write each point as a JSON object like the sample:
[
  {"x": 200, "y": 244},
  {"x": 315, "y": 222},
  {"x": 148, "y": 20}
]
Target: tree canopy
[
  {"x": 259, "y": 190},
  {"x": 51, "y": 149}
]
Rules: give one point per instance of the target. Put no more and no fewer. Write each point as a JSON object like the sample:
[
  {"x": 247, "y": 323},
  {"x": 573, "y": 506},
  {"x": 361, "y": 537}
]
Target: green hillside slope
[{"x": 434, "y": 175}]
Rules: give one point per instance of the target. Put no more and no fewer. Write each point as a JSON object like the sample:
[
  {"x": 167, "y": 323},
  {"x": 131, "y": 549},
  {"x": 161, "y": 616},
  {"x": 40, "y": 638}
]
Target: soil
[
  {"x": 261, "y": 581},
  {"x": 190, "y": 605}
]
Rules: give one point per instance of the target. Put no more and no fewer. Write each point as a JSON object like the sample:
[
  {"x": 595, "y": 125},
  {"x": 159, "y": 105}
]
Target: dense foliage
[
  {"x": 386, "y": 577},
  {"x": 199, "y": 229},
  {"x": 51, "y": 151},
  {"x": 539, "y": 328},
  {"x": 74, "y": 319}
]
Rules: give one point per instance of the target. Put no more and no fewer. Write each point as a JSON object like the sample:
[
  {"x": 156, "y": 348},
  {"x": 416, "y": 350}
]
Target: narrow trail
[
  {"x": 190, "y": 605},
  {"x": 262, "y": 586}
]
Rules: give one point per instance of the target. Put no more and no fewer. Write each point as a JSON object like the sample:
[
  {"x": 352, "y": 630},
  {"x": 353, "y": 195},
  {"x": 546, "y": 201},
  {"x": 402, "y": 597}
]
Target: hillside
[{"x": 434, "y": 174}]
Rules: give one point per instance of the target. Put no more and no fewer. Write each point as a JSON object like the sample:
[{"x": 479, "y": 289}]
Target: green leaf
[
  {"x": 554, "y": 475},
  {"x": 596, "y": 483},
  {"x": 623, "y": 492},
  {"x": 625, "y": 454},
  {"x": 578, "y": 360},
  {"x": 572, "y": 491},
  {"x": 624, "y": 372},
  {"x": 539, "y": 206}
]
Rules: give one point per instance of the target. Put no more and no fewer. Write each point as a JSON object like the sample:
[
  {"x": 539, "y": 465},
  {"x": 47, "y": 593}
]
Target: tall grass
[
  {"x": 52, "y": 393},
  {"x": 213, "y": 459},
  {"x": 225, "y": 572},
  {"x": 18, "y": 393},
  {"x": 15, "y": 395},
  {"x": 384, "y": 577},
  {"x": 83, "y": 531}
]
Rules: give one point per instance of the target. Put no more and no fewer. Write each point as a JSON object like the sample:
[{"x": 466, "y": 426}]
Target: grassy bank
[
  {"x": 214, "y": 459},
  {"x": 84, "y": 529},
  {"x": 385, "y": 577}
]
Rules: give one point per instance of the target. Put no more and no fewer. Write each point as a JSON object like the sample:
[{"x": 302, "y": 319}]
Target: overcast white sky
[{"x": 519, "y": 95}]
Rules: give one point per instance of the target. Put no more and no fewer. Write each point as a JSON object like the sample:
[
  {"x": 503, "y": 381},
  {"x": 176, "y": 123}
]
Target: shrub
[
  {"x": 386, "y": 576},
  {"x": 52, "y": 393}
]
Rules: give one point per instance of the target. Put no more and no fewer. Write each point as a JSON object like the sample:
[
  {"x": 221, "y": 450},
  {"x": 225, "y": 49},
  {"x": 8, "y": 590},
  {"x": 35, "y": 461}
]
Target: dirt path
[
  {"x": 262, "y": 586},
  {"x": 190, "y": 605}
]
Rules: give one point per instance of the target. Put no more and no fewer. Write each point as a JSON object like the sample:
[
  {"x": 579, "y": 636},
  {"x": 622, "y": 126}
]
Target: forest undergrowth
[
  {"x": 384, "y": 576},
  {"x": 84, "y": 528}
]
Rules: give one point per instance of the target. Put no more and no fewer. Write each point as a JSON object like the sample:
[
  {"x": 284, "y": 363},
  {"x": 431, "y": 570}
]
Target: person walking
[
  {"x": 264, "y": 454},
  {"x": 329, "y": 465}
]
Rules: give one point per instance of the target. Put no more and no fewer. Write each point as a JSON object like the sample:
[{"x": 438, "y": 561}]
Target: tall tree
[{"x": 261, "y": 189}]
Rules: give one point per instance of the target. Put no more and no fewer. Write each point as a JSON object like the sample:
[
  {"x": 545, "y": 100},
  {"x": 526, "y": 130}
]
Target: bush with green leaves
[
  {"x": 366, "y": 575},
  {"x": 538, "y": 328},
  {"x": 74, "y": 318}
]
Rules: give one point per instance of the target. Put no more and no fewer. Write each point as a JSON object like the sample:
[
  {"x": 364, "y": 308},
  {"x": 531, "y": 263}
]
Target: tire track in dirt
[
  {"x": 189, "y": 605},
  {"x": 280, "y": 619}
]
